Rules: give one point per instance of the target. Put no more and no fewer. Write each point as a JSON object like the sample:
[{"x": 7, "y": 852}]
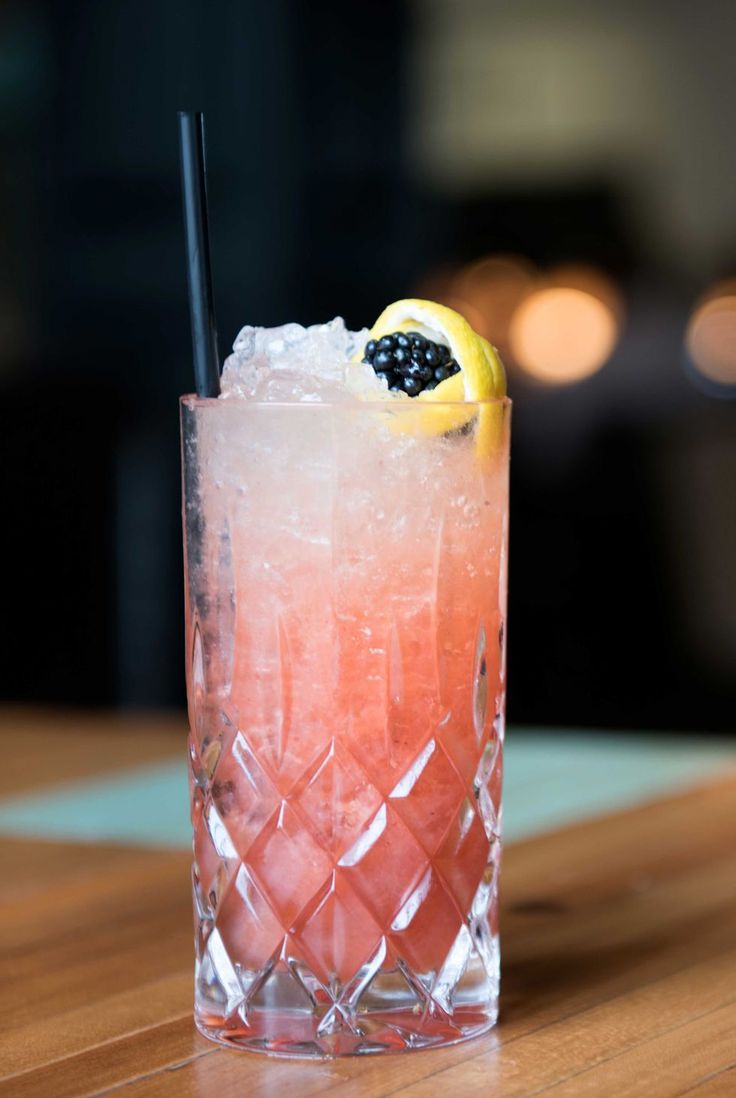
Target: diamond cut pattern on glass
[
  {"x": 483, "y": 920},
  {"x": 215, "y": 859},
  {"x": 398, "y": 700},
  {"x": 285, "y": 842},
  {"x": 247, "y": 926},
  {"x": 494, "y": 783},
  {"x": 487, "y": 787},
  {"x": 218, "y": 832},
  {"x": 335, "y": 933},
  {"x": 429, "y": 793},
  {"x": 211, "y": 737},
  {"x": 449, "y": 976},
  {"x": 462, "y": 857},
  {"x": 384, "y": 865},
  {"x": 373, "y": 905},
  {"x": 245, "y": 796},
  {"x": 423, "y": 930},
  {"x": 217, "y": 969},
  {"x": 336, "y": 799},
  {"x": 279, "y": 694},
  {"x": 329, "y": 876},
  {"x": 344, "y": 1018}
]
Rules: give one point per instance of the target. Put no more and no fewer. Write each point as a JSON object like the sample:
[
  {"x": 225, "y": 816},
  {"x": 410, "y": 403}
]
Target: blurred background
[{"x": 561, "y": 171}]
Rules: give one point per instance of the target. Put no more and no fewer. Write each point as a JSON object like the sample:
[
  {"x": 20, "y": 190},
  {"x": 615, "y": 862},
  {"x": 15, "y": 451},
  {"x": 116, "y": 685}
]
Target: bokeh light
[
  {"x": 560, "y": 334},
  {"x": 493, "y": 287},
  {"x": 711, "y": 334},
  {"x": 474, "y": 316},
  {"x": 591, "y": 280},
  {"x": 486, "y": 292},
  {"x": 558, "y": 327}
]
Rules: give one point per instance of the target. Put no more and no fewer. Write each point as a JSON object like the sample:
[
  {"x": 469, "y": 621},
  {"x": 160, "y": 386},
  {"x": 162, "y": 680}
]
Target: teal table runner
[{"x": 553, "y": 777}]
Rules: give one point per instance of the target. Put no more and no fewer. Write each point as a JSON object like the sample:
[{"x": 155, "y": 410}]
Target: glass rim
[{"x": 191, "y": 400}]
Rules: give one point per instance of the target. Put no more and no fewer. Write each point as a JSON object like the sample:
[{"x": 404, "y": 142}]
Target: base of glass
[
  {"x": 294, "y": 1035},
  {"x": 285, "y": 1010}
]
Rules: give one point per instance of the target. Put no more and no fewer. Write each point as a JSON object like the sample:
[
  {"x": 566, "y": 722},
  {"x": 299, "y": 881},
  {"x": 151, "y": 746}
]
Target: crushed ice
[{"x": 293, "y": 363}]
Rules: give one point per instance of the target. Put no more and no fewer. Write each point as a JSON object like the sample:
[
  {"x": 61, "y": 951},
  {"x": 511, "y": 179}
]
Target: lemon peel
[{"x": 481, "y": 379}]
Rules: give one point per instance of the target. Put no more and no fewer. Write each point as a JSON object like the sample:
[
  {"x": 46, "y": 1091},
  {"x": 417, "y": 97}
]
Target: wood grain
[
  {"x": 721, "y": 1084},
  {"x": 42, "y": 748},
  {"x": 619, "y": 970}
]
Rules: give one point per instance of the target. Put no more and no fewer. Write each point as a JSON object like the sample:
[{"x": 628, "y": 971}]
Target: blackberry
[{"x": 410, "y": 362}]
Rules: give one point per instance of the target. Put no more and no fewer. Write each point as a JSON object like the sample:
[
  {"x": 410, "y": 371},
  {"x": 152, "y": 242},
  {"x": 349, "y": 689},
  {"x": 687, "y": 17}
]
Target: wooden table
[{"x": 619, "y": 957}]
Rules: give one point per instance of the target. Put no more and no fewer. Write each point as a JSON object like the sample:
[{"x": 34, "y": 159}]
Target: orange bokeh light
[
  {"x": 591, "y": 280},
  {"x": 486, "y": 292},
  {"x": 711, "y": 334},
  {"x": 559, "y": 327},
  {"x": 494, "y": 286},
  {"x": 472, "y": 314},
  {"x": 560, "y": 334}
]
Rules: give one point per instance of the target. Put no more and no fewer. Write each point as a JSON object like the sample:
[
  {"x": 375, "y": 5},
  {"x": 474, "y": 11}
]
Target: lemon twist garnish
[{"x": 481, "y": 378}]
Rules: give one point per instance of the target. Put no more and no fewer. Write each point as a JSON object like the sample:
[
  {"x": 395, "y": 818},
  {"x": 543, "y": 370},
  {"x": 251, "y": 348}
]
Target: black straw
[{"x": 197, "y": 238}]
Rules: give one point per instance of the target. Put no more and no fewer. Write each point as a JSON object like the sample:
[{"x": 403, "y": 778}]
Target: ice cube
[
  {"x": 291, "y": 363},
  {"x": 245, "y": 342},
  {"x": 286, "y": 386}
]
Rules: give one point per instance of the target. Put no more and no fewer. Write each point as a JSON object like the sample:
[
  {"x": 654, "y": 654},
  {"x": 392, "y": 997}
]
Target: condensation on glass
[{"x": 345, "y": 613}]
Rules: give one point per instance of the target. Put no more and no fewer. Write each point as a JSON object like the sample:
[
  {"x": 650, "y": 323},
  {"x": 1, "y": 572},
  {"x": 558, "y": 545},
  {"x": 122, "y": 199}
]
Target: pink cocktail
[{"x": 346, "y": 579}]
